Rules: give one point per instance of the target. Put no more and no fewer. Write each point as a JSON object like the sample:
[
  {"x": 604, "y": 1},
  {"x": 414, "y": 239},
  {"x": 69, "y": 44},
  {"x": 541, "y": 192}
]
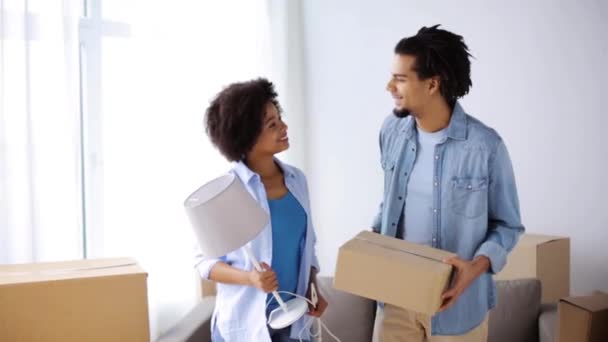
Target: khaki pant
[{"x": 394, "y": 324}]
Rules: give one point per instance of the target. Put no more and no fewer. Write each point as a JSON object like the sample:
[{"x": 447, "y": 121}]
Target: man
[{"x": 448, "y": 183}]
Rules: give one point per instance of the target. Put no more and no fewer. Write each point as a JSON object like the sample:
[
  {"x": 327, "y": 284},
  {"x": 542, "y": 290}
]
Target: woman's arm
[{"x": 266, "y": 280}]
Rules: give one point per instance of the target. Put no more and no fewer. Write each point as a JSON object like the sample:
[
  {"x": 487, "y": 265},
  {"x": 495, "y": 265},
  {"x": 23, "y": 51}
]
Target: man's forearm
[{"x": 481, "y": 264}]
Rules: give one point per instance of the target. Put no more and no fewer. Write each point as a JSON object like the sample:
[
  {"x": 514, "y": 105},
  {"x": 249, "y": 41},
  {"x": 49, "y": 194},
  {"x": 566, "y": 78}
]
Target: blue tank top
[{"x": 288, "y": 220}]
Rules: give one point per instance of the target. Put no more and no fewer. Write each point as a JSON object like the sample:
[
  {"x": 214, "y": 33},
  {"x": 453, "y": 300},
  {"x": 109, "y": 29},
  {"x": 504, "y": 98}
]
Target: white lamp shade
[{"x": 224, "y": 216}]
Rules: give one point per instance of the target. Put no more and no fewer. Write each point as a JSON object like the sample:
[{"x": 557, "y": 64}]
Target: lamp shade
[{"x": 224, "y": 216}]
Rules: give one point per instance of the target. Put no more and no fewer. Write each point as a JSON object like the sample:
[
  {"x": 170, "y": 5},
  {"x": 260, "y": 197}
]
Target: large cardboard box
[
  {"x": 75, "y": 301},
  {"x": 583, "y": 319},
  {"x": 393, "y": 271},
  {"x": 544, "y": 257},
  {"x": 206, "y": 288}
]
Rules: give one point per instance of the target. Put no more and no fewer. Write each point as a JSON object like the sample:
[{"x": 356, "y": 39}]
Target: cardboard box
[
  {"x": 601, "y": 292},
  {"x": 583, "y": 319},
  {"x": 205, "y": 287},
  {"x": 208, "y": 288},
  {"x": 393, "y": 271},
  {"x": 544, "y": 257},
  {"x": 85, "y": 300}
]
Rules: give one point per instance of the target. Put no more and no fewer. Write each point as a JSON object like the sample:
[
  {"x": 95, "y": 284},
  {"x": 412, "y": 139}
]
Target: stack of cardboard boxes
[{"x": 581, "y": 318}]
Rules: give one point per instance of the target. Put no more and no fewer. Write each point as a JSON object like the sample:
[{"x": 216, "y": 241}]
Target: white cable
[{"x": 310, "y": 322}]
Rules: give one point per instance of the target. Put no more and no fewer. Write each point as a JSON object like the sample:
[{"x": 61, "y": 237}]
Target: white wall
[{"x": 539, "y": 78}]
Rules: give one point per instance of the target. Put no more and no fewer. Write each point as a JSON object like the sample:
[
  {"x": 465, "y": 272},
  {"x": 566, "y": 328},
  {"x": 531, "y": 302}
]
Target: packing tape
[{"x": 64, "y": 270}]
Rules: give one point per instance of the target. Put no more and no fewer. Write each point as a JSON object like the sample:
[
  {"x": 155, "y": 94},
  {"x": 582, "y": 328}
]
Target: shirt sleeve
[{"x": 504, "y": 221}]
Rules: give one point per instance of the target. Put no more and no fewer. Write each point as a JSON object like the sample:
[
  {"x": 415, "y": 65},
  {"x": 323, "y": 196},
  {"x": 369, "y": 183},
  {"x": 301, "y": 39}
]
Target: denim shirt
[
  {"x": 475, "y": 204},
  {"x": 240, "y": 311}
]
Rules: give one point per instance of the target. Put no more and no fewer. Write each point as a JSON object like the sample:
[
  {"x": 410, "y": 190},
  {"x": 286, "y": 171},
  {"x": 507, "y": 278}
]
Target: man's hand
[
  {"x": 466, "y": 273},
  {"x": 265, "y": 280}
]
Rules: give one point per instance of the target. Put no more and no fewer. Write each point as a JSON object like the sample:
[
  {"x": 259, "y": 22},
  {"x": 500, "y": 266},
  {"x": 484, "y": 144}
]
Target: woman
[{"x": 244, "y": 122}]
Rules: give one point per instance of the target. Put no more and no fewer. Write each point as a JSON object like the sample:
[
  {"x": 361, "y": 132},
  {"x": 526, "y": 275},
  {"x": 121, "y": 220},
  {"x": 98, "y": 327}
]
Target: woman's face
[{"x": 273, "y": 138}]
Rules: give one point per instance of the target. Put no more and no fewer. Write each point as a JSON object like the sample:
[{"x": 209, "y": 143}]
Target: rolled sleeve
[
  {"x": 496, "y": 253},
  {"x": 205, "y": 265}
]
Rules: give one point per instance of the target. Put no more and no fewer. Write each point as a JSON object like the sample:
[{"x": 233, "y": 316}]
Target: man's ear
[{"x": 434, "y": 85}]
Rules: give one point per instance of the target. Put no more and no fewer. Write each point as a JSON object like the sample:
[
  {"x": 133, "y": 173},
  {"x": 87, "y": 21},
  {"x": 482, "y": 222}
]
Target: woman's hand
[
  {"x": 321, "y": 306},
  {"x": 317, "y": 310},
  {"x": 265, "y": 280}
]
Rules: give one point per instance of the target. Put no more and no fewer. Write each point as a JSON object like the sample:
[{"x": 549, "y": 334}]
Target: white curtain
[
  {"x": 156, "y": 86},
  {"x": 143, "y": 149},
  {"x": 287, "y": 53},
  {"x": 39, "y": 193}
]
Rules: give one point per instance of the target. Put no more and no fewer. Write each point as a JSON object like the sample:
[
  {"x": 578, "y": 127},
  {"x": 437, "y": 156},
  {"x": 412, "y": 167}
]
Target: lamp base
[{"x": 279, "y": 319}]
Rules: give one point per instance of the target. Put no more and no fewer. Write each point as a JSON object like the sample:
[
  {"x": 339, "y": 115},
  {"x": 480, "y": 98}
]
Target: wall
[{"x": 539, "y": 78}]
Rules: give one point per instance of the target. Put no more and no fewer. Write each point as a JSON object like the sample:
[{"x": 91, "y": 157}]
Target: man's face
[{"x": 409, "y": 92}]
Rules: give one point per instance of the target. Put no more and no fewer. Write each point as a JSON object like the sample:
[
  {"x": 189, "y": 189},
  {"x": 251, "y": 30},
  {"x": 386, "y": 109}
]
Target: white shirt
[{"x": 239, "y": 313}]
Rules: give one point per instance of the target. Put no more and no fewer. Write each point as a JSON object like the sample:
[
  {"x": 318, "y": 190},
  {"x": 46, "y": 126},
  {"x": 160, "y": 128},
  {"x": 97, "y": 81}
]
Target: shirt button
[
  {"x": 400, "y": 198},
  {"x": 435, "y": 183},
  {"x": 406, "y": 173},
  {"x": 434, "y": 210},
  {"x": 393, "y": 223},
  {"x": 434, "y": 240},
  {"x": 470, "y": 187},
  {"x": 436, "y": 157}
]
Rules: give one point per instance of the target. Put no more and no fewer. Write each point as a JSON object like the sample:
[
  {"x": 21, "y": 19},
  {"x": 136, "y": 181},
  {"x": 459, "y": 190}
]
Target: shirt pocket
[{"x": 469, "y": 196}]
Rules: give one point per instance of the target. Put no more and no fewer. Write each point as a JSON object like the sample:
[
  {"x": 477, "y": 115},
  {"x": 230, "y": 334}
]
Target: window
[
  {"x": 148, "y": 71},
  {"x": 101, "y": 132}
]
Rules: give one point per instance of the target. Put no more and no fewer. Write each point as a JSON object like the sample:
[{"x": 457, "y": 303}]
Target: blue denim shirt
[
  {"x": 476, "y": 209},
  {"x": 240, "y": 311}
]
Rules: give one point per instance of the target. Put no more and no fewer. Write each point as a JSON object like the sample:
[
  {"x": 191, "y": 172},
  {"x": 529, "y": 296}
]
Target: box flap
[
  {"x": 592, "y": 303},
  {"x": 48, "y": 271},
  {"x": 404, "y": 246}
]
